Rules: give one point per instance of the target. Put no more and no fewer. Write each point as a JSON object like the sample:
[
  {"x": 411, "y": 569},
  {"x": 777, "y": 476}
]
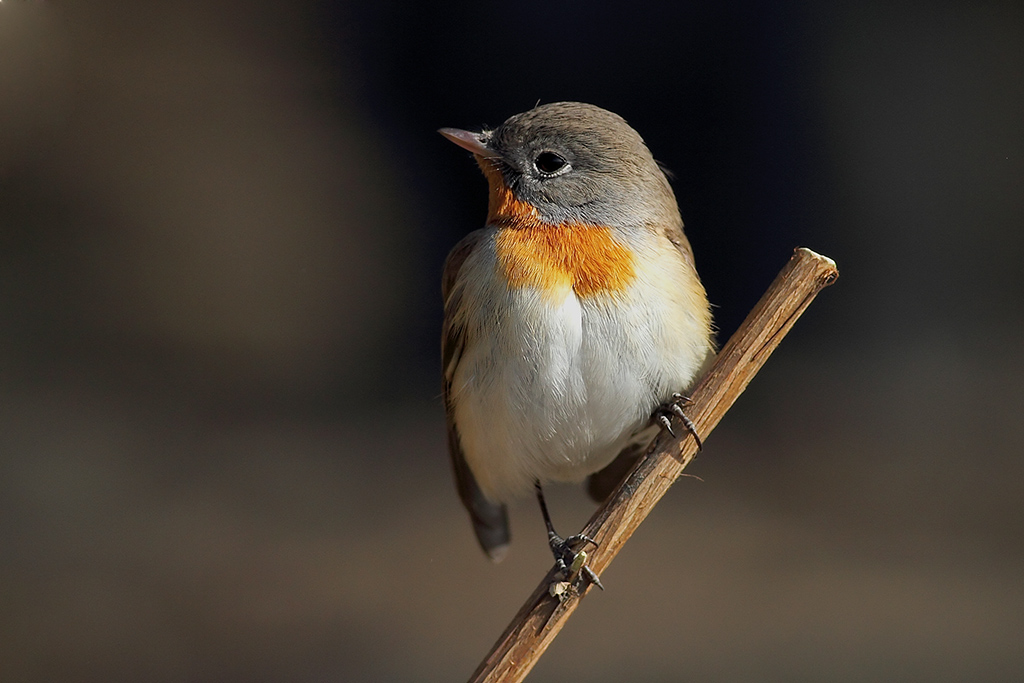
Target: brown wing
[{"x": 490, "y": 519}]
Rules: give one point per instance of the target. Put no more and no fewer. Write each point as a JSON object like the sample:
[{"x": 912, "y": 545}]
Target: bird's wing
[{"x": 490, "y": 519}]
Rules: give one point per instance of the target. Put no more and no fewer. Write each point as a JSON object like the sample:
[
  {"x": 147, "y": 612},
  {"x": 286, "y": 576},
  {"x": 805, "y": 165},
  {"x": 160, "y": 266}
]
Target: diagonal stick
[{"x": 542, "y": 616}]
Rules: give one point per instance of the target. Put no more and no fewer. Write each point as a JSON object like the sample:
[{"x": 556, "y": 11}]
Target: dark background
[{"x": 221, "y": 441}]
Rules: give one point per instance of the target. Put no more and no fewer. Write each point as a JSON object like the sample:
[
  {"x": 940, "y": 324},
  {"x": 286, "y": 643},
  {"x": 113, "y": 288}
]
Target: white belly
[{"x": 553, "y": 387}]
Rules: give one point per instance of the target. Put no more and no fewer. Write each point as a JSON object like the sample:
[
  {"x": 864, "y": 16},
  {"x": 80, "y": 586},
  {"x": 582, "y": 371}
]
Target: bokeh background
[{"x": 221, "y": 440}]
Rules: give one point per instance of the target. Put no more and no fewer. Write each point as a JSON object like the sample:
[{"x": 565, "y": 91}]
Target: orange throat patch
[{"x": 553, "y": 257}]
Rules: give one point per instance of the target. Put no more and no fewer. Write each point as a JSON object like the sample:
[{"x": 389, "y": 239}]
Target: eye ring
[{"x": 550, "y": 164}]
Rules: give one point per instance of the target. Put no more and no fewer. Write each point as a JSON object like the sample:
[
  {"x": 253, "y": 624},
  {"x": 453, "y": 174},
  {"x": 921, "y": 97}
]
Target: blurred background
[{"x": 221, "y": 439}]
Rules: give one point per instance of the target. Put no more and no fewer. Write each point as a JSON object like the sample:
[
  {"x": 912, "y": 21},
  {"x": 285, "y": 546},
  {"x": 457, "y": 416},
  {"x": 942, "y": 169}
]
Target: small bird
[{"x": 573, "y": 321}]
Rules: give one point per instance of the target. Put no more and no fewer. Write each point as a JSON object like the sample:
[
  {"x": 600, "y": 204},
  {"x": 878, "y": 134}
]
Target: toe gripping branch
[
  {"x": 571, "y": 563},
  {"x": 674, "y": 407}
]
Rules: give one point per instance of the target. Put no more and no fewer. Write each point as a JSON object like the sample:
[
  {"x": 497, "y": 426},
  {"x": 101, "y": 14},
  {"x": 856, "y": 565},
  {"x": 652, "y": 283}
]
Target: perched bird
[{"x": 572, "y": 320}]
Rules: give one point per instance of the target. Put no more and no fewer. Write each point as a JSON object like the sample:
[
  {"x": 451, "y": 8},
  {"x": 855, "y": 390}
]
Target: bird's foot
[
  {"x": 674, "y": 407},
  {"x": 572, "y": 563}
]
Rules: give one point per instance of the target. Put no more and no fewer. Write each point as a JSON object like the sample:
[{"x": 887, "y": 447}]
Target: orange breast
[
  {"x": 551, "y": 257},
  {"x": 533, "y": 253}
]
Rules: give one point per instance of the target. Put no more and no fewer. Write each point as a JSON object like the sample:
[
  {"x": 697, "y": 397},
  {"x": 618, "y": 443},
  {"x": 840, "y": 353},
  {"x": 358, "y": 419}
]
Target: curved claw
[
  {"x": 666, "y": 424},
  {"x": 590, "y": 576},
  {"x": 675, "y": 407},
  {"x": 581, "y": 538},
  {"x": 692, "y": 428}
]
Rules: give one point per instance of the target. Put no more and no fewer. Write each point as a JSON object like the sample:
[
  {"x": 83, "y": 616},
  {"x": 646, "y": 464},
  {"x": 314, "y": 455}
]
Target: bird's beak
[{"x": 474, "y": 142}]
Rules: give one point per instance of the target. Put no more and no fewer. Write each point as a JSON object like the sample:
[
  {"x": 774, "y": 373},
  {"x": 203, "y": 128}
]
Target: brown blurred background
[{"x": 221, "y": 444}]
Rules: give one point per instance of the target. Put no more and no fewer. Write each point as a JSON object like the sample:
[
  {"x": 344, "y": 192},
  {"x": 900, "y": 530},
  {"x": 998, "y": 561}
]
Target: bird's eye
[{"x": 549, "y": 163}]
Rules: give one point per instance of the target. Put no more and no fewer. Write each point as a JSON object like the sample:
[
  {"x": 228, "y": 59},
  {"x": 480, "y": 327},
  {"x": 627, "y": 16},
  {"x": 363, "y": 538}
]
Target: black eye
[{"x": 549, "y": 162}]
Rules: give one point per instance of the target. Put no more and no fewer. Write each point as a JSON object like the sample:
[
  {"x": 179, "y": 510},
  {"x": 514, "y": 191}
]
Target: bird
[{"x": 574, "y": 320}]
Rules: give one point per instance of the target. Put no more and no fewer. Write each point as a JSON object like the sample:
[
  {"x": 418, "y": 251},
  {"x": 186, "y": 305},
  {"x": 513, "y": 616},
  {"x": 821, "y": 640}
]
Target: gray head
[{"x": 575, "y": 162}]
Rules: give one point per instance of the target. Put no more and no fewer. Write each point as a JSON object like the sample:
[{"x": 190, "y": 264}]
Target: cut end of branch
[{"x": 828, "y": 267}]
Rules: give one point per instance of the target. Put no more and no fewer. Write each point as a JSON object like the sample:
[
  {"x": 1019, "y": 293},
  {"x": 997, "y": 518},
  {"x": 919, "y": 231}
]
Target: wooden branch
[{"x": 543, "y": 615}]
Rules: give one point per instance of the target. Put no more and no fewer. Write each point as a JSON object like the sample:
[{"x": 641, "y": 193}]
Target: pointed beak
[{"x": 473, "y": 142}]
